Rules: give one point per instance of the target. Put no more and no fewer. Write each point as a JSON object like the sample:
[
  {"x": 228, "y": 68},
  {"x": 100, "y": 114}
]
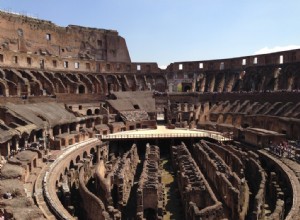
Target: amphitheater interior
[{"x": 85, "y": 133}]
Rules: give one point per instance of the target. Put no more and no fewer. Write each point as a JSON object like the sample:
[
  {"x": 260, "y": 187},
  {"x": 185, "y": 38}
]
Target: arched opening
[
  {"x": 81, "y": 89},
  {"x": 97, "y": 121},
  {"x": 64, "y": 128},
  {"x": 56, "y": 130},
  {"x": 71, "y": 164},
  {"x": 245, "y": 125},
  {"x": 92, "y": 151},
  {"x": 105, "y": 120},
  {"x": 77, "y": 159},
  {"x": 84, "y": 154},
  {"x": 149, "y": 214},
  {"x": 89, "y": 112},
  {"x": 160, "y": 84},
  {"x": 97, "y": 111},
  {"x": 187, "y": 88},
  {"x": 115, "y": 197},
  {"x": 2, "y": 90},
  {"x": 72, "y": 127}
]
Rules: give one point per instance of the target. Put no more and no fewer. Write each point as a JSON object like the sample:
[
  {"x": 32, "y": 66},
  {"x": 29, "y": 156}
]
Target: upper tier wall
[
  {"x": 27, "y": 42},
  {"x": 33, "y": 36}
]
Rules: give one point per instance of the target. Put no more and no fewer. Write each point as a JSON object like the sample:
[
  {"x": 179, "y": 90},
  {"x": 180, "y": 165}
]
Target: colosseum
[{"x": 85, "y": 133}]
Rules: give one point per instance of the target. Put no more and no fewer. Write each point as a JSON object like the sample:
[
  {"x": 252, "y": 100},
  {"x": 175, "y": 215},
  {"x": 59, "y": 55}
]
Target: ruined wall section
[
  {"x": 232, "y": 160},
  {"x": 256, "y": 178},
  {"x": 150, "y": 189},
  {"x": 124, "y": 177},
  {"x": 102, "y": 183},
  {"x": 228, "y": 184},
  {"x": 197, "y": 196},
  {"x": 275, "y": 71},
  {"x": 93, "y": 206},
  {"x": 34, "y": 36}
]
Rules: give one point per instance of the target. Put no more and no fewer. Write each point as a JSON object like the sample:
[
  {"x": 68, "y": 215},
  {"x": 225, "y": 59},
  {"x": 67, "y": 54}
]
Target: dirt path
[{"x": 172, "y": 197}]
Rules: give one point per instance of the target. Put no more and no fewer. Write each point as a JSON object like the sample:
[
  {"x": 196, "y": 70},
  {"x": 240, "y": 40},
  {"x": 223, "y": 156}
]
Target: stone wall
[
  {"x": 228, "y": 184},
  {"x": 124, "y": 177},
  {"x": 92, "y": 205},
  {"x": 257, "y": 182},
  {"x": 150, "y": 189},
  {"x": 198, "y": 199},
  {"x": 34, "y": 36}
]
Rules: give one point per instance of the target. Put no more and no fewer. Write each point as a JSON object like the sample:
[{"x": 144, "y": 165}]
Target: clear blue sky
[{"x": 166, "y": 31}]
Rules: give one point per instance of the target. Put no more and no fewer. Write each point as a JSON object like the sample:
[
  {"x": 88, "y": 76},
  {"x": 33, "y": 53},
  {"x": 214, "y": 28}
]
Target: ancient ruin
[{"x": 85, "y": 133}]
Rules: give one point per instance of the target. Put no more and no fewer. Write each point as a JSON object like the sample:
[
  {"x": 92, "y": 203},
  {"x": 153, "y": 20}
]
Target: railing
[{"x": 217, "y": 137}]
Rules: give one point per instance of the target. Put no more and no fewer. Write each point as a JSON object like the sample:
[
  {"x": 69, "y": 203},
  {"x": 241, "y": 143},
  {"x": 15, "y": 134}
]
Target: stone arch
[
  {"x": 97, "y": 121},
  {"x": 131, "y": 83},
  {"x": 160, "y": 84},
  {"x": 187, "y": 88},
  {"x": 229, "y": 119},
  {"x": 23, "y": 139},
  {"x": 97, "y": 111},
  {"x": 64, "y": 128},
  {"x": 150, "y": 82},
  {"x": 3, "y": 88},
  {"x": 77, "y": 159},
  {"x": 105, "y": 119},
  {"x": 66, "y": 171},
  {"x": 96, "y": 82},
  {"x": 14, "y": 142},
  {"x": 220, "y": 119},
  {"x": 90, "y": 88},
  {"x": 150, "y": 213},
  {"x": 89, "y": 112},
  {"x": 112, "y": 83},
  {"x": 39, "y": 134},
  {"x": 32, "y": 136},
  {"x": 92, "y": 150},
  {"x": 84, "y": 155},
  {"x": 71, "y": 165},
  {"x": 141, "y": 83},
  {"x": 72, "y": 126},
  {"x": 103, "y": 83},
  {"x": 81, "y": 89},
  {"x": 71, "y": 86}
]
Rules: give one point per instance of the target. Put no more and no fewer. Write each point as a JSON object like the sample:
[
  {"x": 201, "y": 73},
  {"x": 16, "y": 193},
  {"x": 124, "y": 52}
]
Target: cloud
[
  {"x": 163, "y": 67},
  {"x": 276, "y": 49}
]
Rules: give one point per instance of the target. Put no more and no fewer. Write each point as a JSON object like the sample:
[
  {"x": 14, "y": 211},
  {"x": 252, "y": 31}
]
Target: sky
[{"x": 166, "y": 31}]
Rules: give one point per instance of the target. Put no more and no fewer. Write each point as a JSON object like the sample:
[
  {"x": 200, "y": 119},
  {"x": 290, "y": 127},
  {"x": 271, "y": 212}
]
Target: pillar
[{"x": 8, "y": 147}]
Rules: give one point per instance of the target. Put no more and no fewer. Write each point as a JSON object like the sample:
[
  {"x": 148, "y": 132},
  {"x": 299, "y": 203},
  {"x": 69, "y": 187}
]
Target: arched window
[{"x": 81, "y": 89}]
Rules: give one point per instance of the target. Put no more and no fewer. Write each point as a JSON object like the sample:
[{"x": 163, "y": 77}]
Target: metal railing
[{"x": 218, "y": 137}]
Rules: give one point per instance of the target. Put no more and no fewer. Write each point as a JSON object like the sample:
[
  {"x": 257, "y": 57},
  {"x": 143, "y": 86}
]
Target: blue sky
[{"x": 166, "y": 31}]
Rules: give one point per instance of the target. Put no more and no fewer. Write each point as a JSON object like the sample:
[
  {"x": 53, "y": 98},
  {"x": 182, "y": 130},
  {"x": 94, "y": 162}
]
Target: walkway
[
  {"x": 163, "y": 132},
  {"x": 172, "y": 197}
]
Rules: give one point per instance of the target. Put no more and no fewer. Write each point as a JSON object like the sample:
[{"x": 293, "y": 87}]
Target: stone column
[{"x": 8, "y": 147}]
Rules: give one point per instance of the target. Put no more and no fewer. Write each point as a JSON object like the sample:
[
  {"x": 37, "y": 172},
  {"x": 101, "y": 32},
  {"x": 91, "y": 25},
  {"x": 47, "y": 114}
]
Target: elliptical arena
[{"x": 87, "y": 134}]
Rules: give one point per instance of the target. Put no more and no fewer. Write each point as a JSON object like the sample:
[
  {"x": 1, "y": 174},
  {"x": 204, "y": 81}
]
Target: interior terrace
[{"x": 74, "y": 114}]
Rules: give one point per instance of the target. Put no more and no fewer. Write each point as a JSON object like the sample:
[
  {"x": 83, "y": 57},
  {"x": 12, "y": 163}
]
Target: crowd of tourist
[{"x": 285, "y": 149}]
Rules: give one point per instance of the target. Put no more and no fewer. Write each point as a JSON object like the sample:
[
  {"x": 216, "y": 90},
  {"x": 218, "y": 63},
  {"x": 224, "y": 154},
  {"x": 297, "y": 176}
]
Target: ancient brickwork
[
  {"x": 232, "y": 160},
  {"x": 150, "y": 189},
  {"x": 228, "y": 184},
  {"x": 198, "y": 198},
  {"x": 60, "y": 86},
  {"x": 33, "y": 36},
  {"x": 93, "y": 206},
  {"x": 124, "y": 176},
  {"x": 257, "y": 183},
  {"x": 277, "y": 197}
]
